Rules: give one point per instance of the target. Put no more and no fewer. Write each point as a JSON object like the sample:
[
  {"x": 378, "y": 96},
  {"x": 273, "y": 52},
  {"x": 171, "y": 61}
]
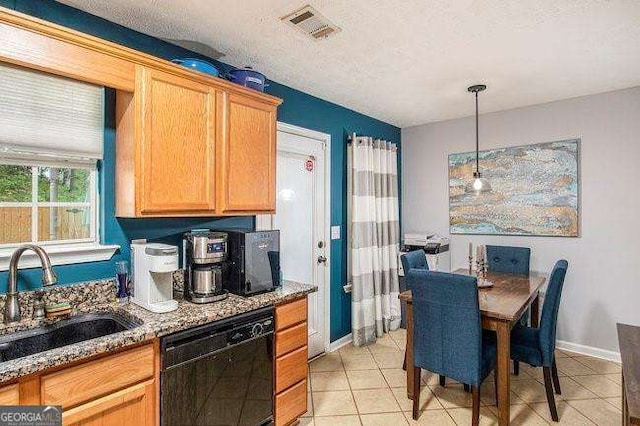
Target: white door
[{"x": 302, "y": 218}]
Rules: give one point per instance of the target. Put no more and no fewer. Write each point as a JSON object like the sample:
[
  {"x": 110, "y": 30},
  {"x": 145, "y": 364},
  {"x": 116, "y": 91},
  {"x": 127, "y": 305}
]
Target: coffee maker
[
  {"x": 254, "y": 262},
  {"x": 205, "y": 255},
  {"x": 153, "y": 266}
]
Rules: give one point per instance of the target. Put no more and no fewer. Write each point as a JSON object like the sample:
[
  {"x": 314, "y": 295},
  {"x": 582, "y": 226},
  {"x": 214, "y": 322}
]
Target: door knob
[{"x": 322, "y": 259}]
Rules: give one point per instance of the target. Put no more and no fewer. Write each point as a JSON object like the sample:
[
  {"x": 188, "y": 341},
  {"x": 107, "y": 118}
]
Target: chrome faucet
[{"x": 12, "y": 305}]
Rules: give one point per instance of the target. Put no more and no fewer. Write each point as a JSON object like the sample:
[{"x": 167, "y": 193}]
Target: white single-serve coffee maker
[{"x": 153, "y": 265}]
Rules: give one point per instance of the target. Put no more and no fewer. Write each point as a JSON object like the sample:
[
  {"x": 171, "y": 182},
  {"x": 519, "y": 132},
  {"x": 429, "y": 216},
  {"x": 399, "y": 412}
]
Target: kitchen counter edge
[{"x": 188, "y": 315}]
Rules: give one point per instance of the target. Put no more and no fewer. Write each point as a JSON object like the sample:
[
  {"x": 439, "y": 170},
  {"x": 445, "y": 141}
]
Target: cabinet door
[
  {"x": 178, "y": 148},
  {"x": 248, "y": 153},
  {"x": 130, "y": 406},
  {"x": 9, "y": 395}
]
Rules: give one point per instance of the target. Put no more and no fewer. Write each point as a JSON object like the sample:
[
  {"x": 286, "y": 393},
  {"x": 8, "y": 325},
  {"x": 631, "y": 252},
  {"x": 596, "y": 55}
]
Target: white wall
[{"x": 603, "y": 282}]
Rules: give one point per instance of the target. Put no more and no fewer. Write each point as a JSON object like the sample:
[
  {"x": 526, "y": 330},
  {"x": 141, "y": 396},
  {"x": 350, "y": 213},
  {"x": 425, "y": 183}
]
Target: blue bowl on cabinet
[
  {"x": 198, "y": 65},
  {"x": 248, "y": 77}
]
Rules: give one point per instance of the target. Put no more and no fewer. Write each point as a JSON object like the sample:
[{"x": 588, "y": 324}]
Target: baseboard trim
[
  {"x": 343, "y": 341},
  {"x": 560, "y": 344},
  {"x": 588, "y": 350}
]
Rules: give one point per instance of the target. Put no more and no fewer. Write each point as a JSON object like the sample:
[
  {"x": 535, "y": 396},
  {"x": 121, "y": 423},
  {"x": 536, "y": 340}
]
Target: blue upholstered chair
[
  {"x": 511, "y": 260},
  {"x": 536, "y": 346},
  {"x": 447, "y": 332},
  {"x": 415, "y": 259}
]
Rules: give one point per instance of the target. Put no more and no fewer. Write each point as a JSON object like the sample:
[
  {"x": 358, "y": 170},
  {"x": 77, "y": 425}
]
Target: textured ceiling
[{"x": 409, "y": 62}]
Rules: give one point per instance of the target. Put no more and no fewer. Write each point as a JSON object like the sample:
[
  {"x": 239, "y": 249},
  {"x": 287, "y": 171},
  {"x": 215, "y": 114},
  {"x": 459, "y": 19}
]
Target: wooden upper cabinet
[
  {"x": 166, "y": 147},
  {"x": 178, "y": 145},
  {"x": 190, "y": 148},
  {"x": 247, "y": 154},
  {"x": 187, "y": 144}
]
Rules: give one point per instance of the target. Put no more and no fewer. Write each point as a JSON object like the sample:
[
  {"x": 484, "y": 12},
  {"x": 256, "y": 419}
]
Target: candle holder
[{"x": 479, "y": 275}]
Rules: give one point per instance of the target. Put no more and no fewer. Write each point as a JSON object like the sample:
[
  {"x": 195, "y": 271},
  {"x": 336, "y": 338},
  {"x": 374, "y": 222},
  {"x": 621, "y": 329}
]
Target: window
[
  {"x": 51, "y": 139},
  {"x": 47, "y": 205}
]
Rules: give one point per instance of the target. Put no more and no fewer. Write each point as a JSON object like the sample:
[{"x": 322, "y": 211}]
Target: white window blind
[{"x": 49, "y": 116}]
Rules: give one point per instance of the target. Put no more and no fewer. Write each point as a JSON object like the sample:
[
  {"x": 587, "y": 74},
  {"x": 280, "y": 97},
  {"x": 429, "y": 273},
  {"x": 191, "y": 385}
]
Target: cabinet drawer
[
  {"x": 75, "y": 385},
  {"x": 291, "y": 339},
  {"x": 9, "y": 395},
  {"x": 291, "y": 313},
  {"x": 291, "y": 368},
  {"x": 291, "y": 404}
]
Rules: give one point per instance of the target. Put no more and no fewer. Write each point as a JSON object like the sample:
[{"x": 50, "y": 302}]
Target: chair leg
[
  {"x": 495, "y": 386},
  {"x": 548, "y": 386},
  {"x": 404, "y": 363},
  {"x": 416, "y": 392},
  {"x": 516, "y": 368},
  {"x": 442, "y": 379},
  {"x": 475, "y": 394},
  {"x": 554, "y": 376}
]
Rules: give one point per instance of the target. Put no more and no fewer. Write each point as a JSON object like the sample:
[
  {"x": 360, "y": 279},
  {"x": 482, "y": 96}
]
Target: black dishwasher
[{"x": 219, "y": 373}]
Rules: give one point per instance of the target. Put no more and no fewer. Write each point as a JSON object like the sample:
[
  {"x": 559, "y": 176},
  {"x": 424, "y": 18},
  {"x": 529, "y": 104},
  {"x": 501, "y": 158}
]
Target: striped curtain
[{"x": 374, "y": 234}]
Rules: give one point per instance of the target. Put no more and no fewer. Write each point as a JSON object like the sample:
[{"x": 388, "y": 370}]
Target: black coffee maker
[{"x": 254, "y": 262}]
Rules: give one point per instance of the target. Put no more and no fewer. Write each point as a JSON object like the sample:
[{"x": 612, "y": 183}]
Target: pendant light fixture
[{"x": 479, "y": 183}]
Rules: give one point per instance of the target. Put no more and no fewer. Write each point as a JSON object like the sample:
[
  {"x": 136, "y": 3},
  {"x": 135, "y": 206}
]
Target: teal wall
[{"x": 298, "y": 108}]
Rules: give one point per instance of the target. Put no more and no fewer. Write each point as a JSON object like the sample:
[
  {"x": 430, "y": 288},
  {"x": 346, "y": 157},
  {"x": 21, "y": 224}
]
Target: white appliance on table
[
  {"x": 153, "y": 266},
  {"x": 436, "y": 250}
]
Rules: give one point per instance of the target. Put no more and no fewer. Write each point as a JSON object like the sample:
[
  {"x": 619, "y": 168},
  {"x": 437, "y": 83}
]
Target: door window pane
[
  {"x": 64, "y": 223},
  {"x": 15, "y": 224},
  {"x": 15, "y": 183}
]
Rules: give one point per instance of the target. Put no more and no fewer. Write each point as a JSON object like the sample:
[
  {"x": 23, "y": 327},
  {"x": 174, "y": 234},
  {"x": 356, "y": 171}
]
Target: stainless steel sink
[{"x": 65, "y": 332}]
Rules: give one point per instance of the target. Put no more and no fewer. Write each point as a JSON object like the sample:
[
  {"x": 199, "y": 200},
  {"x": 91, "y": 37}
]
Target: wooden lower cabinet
[
  {"x": 292, "y": 338},
  {"x": 85, "y": 382},
  {"x": 291, "y": 367},
  {"x": 131, "y": 406},
  {"x": 116, "y": 389},
  {"x": 9, "y": 395},
  {"x": 290, "y": 314},
  {"x": 291, "y": 403},
  {"x": 123, "y": 388}
]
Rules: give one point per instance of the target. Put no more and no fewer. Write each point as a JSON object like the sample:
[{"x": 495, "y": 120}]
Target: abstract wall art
[{"x": 535, "y": 191}]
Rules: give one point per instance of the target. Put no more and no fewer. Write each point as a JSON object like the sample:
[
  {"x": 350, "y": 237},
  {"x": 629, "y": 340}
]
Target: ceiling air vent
[{"x": 311, "y": 22}]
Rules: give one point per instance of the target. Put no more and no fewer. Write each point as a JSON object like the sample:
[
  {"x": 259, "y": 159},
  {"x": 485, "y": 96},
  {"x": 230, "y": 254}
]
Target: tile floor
[{"x": 366, "y": 386}]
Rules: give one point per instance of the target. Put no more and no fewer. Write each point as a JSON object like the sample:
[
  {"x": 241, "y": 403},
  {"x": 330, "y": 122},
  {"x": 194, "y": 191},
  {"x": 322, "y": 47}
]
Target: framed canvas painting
[{"x": 535, "y": 191}]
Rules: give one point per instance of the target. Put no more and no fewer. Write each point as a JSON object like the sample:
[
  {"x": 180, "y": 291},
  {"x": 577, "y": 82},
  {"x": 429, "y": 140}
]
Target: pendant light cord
[{"x": 477, "y": 138}]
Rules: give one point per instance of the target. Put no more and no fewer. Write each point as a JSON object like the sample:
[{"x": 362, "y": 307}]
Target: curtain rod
[{"x": 353, "y": 137}]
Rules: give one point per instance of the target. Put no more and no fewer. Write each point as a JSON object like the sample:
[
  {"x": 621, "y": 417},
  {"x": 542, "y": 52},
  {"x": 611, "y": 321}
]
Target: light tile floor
[{"x": 366, "y": 386}]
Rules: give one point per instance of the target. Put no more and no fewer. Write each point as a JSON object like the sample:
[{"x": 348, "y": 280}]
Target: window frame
[
  {"x": 35, "y": 205},
  {"x": 61, "y": 252}
]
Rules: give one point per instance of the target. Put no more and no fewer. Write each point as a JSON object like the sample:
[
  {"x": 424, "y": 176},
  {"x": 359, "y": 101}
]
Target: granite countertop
[{"x": 154, "y": 325}]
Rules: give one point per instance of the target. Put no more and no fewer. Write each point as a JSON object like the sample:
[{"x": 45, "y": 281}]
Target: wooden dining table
[
  {"x": 629, "y": 343},
  {"x": 501, "y": 306}
]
